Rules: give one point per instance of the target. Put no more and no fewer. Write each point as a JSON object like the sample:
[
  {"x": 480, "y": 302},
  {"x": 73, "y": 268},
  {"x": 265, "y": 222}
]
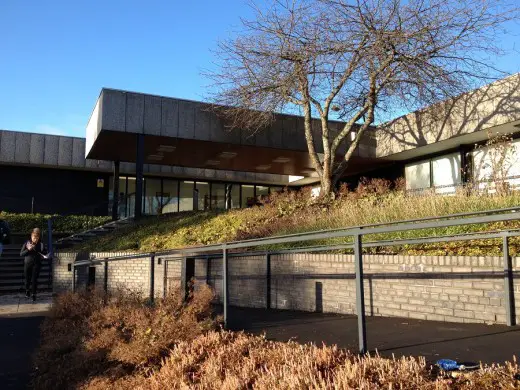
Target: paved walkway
[
  {"x": 18, "y": 304},
  {"x": 20, "y": 321},
  {"x": 390, "y": 336}
]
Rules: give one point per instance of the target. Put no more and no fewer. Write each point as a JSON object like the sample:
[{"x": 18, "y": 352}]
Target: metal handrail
[
  {"x": 496, "y": 215},
  {"x": 487, "y": 235},
  {"x": 357, "y": 233}
]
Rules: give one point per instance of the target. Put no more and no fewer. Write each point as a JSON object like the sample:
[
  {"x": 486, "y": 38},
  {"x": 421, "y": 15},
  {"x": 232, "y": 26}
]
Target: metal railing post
[
  {"x": 105, "y": 278},
  {"x": 73, "y": 278},
  {"x": 152, "y": 278},
  {"x": 509, "y": 294},
  {"x": 208, "y": 270},
  {"x": 51, "y": 250},
  {"x": 165, "y": 277},
  {"x": 268, "y": 280},
  {"x": 360, "y": 293},
  {"x": 225, "y": 298}
]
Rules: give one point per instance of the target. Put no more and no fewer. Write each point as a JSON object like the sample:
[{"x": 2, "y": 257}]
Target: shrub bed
[{"x": 127, "y": 344}]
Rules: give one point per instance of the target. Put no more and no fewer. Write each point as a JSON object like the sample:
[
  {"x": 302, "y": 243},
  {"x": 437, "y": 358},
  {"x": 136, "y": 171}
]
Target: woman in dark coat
[{"x": 34, "y": 252}]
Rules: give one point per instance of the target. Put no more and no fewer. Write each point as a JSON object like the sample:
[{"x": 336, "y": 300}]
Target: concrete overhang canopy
[
  {"x": 465, "y": 119},
  {"x": 189, "y": 134}
]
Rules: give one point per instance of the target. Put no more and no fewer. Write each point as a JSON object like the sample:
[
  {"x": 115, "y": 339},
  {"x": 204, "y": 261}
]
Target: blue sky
[{"x": 56, "y": 55}]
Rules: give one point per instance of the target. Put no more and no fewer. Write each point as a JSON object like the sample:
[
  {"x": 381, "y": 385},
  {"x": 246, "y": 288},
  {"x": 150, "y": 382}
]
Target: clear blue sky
[{"x": 56, "y": 55}]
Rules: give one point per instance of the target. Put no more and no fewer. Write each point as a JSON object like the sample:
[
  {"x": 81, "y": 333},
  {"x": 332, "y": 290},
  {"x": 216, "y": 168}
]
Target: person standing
[{"x": 34, "y": 252}]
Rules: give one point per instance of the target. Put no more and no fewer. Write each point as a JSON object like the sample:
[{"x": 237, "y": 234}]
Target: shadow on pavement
[
  {"x": 19, "y": 338},
  {"x": 388, "y": 335}
]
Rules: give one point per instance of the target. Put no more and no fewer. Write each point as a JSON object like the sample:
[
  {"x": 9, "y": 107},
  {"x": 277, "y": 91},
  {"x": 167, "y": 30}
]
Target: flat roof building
[{"x": 152, "y": 154}]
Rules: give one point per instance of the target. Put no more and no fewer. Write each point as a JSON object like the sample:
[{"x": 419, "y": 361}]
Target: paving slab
[{"x": 18, "y": 304}]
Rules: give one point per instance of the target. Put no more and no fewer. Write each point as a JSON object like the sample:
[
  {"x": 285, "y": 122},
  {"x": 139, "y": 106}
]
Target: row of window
[
  {"x": 162, "y": 196},
  {"x": 444, "y": 173},
  {"x": 488, "y": 165}
]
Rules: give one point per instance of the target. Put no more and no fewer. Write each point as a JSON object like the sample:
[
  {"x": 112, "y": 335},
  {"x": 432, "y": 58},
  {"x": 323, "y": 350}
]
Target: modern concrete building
[{"x": 152, "y": 154}]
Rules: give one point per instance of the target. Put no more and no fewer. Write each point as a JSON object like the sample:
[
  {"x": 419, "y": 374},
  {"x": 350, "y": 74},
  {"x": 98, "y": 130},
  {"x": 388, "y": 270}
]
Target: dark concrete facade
[{"x": 47, "y": 190}]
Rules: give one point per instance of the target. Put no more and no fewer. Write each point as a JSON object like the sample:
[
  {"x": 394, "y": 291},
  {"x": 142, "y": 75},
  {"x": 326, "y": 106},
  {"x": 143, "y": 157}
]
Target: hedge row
[{"x": 22, "y": 223}]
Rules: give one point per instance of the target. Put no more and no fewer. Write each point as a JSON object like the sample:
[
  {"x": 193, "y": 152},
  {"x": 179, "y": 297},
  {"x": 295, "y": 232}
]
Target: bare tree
[{"x": 350, "y": 59}]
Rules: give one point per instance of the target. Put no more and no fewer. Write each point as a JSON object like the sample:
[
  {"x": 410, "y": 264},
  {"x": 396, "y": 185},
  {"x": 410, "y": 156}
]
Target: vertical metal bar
[
  {"x": 208, "y": 270},
  {"x": 268, "y": 280},
  {"x": 32, "y": 205},
  {"x": 210, "y": 185},
  {"x": 225, "y": 300},
  {"x": 509, "y": 294},
  {"x": 105, "y": 278},
  {"x": 152, "y": 278},
  {"x": 360, "y": 294},
  {"x": 165, "y": 277},
  {"x": 139, "y": 163},
  {"x": 73, "y": 278},
  {"x": 161, "y": 200},
  {"x": 50, "y": 249},
  {"x": 115, "y": 197},
  {"x": 178, "y": 195}
]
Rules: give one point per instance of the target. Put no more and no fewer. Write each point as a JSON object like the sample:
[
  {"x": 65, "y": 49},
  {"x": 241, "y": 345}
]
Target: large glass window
[
  {"x": 262, "y": 193},
  {"x": 121, "y": 196},
  {"x": 446, "y": 173},
  {"x": 170, "y": 199},
  {"x": 153, "y": 197},
  {"x": 418, "y": 175},
  {"x": 186, "y": 196},
  {"x": 130, "y": 197},
  {"x": 498, "y": 164},
  {"x": 235, "y": 195},
  {"x": 218, "y": 196},
  {"x": 202, "y": 192},
  {"x": 248, "y": 195},
  {"x": 123, "y": 209}
]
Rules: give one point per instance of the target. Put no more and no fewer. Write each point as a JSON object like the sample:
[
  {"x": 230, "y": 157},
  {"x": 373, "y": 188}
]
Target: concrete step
[
  {"x": 7, "y": 270},
  {"x": 19, "y": 272},
  {"x": 16, "y": 289},
  {"x": 88, "y": 235},
  {"x": 19, "y": 284}
]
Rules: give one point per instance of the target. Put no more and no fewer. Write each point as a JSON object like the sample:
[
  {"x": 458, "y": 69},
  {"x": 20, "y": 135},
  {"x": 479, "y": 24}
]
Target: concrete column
[
  {"x": 115, "y": 186},
  {"x": 139, "y": 164}
]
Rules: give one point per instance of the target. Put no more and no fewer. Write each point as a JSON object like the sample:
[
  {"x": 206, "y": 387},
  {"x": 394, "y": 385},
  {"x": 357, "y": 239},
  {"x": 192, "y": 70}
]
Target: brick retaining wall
[{"x": 442, "y": 288}]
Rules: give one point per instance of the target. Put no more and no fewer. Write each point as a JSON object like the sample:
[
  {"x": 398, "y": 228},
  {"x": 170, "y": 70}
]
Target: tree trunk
[{"x": 326, "y": 187}]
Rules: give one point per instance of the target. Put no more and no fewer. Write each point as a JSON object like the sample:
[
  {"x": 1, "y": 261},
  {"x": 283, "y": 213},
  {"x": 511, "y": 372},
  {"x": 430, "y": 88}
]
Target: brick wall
[{"x": 455, "y": 289}]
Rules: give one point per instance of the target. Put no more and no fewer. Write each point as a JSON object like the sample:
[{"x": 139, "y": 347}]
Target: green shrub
[{"x": 25, "y": 222}]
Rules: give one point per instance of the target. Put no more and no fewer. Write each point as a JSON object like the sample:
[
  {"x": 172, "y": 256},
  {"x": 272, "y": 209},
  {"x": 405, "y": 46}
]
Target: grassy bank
[
  {"x": 294, "y": 212},
  {"x": 127, "y": 344}
]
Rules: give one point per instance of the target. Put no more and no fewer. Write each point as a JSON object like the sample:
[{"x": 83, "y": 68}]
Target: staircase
[
  {"x": 11, "y": 271},
  {"x": 98, "y": 231},
  {"x": 11, "y": 264}
]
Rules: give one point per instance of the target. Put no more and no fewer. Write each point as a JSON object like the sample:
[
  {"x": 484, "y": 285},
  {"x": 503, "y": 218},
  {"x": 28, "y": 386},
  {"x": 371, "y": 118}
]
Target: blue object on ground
[
  {"x": 451, "y": 365},
  {"x": 448, "y": 364}
]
